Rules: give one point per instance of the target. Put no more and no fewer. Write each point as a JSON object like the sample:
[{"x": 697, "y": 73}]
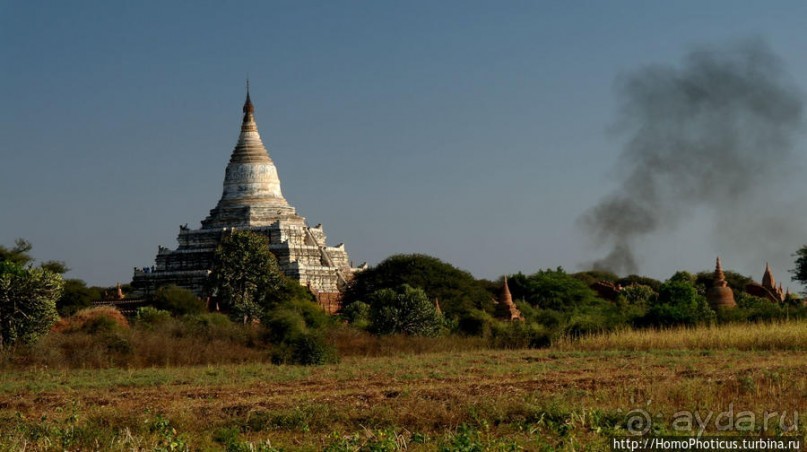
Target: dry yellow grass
[{"x": 745, "y": 336}]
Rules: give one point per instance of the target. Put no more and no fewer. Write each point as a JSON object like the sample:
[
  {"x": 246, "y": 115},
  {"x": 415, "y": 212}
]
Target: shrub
[
  {"x": 679, "y": 303},
  {"x": 212, "y": 326},
  {"x": 284, "y": 324},
  {"x": 311, "y": 349},
  {"x": 511, "y": 335},
  {"x": 638, "y": 295},
  {"x": 27, "y": 301},
  {"x": 150, "y": 316},
  {"x": 178, "y": 301},
  {"x": 475, "y": 323},
  {"x": 308, "y": 349},
  {"x": 296, "y": 328},
  {"x": 406, "y": 310},
  {"x": 357, "y": 314},
  {"x": 91, "y": 321},
  {"x": 76, "y": 296}
]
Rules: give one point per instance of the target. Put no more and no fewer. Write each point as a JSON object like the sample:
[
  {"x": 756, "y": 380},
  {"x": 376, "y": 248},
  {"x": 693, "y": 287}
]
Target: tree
[
  {"x": 27, "y": 302},
  {"x": 552, "y": 289},
  {"x": 643, "y": 280},
  {"x": 405, "y": 310},
  {"x": 800, "y": 272},
  {"x": 457, "y": 290},
  {"x": 20, "y": 254},
  {"x": 76, "y": 296},
  {"x": 638, "y": 295},
  {"x": 178, "y": 301},
  {"x": 246, "y": 278},
  {"x": 297, "y": 330},
  {"x": 55, "y": 267},
  {"x": 592, "y": 276},
  {"x": 735, "y": 281},
  {"x": 679, "y": 303}
]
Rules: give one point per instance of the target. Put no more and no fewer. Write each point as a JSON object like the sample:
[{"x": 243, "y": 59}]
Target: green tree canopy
[
  {"x": 592, "y": 276},
  {"x": 638, "y": 295},
  {"x": 642, "y": 280},
  {"x": 76, "y": 296},
  {"x": 27, "y": 302},
  {"x": 178, "y": 301},
  {"x": 405, "y": 310},
  {"x": 736, "y": 281},
  {"x": 246, "y": 278},
  {"x": 20, "y": 254},
  {"x": 457, "y": 290},
  {"x": 679, "y": 303},
  {"x": 552, "y": 289},
  {"x": 800, "y": 271}
]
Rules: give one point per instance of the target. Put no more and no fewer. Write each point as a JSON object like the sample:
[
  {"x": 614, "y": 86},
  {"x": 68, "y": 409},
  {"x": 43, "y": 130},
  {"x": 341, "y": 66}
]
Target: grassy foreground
[{"x": 571, "y": 397}]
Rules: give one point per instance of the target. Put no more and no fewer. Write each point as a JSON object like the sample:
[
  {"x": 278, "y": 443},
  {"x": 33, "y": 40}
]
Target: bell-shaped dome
[{"x": 251, "y": 177}]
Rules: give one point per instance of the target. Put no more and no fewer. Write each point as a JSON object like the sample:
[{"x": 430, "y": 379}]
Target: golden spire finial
[{"x": 248, "y": 107}]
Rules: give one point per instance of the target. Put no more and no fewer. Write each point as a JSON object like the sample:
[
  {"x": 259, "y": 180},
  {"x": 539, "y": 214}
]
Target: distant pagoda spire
[
  {"x": 248, "y": 107},
  {"x": 768, "y": 281},
  {"x": 719, "y": 277}
]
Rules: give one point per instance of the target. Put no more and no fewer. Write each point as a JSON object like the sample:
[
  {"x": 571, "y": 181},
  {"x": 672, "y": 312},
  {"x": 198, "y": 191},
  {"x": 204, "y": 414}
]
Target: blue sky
[{"x": 477, "y": 132}]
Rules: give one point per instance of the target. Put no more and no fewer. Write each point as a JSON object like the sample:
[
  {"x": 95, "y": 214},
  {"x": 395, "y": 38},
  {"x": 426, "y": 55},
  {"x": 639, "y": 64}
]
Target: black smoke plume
[{"x": 710, "y": 133}]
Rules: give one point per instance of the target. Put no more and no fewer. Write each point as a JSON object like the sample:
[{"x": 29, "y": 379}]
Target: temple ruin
[
  {"x": 768, "y": 288},
  {"x": 252, "y": 200}
]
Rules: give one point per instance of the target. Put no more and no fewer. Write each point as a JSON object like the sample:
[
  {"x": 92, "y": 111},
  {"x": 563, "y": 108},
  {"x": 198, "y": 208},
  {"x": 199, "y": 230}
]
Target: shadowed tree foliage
[
  {"x": 552, "y": 289},
  {"x": 679, "y": 303},
  {"x": 246, "y": 278},
  {"x": 27, "y": 295},
  {"x": 27, "y": 302},
  {"x": 592, "y": 276},
  {"x": 76, "y": 296},
  {"x": 800, "y": 272},
  {"x": 178, "y": 301},
  {"x": 297, "y": 328},
  {"x": 638, "y": 295},
  {"x": 405, "y": 310},
  {"x": 19, "y": 254},
  {"x": 457, "y": 290},
  {"x": 642, "y": 280},
  {"x": 736, "y": 281}
]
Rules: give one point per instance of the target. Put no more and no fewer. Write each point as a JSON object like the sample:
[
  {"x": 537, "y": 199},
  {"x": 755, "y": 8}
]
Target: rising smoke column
[{"x": 712, "y": 132}]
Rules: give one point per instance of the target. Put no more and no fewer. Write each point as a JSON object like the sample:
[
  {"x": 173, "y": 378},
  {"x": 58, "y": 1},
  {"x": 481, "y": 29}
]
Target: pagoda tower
[
  {"x": 720, "y": 294},
  {"x": 505, "y": 308},
  {"x": 252, "y": 200},
  {"x": 768, "y": 289}
]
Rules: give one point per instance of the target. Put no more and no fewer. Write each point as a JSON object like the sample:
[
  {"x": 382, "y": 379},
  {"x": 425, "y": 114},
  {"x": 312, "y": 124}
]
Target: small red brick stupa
[
  {"x": 720, "y": 294},
  {"x": 505, "y": 308}
]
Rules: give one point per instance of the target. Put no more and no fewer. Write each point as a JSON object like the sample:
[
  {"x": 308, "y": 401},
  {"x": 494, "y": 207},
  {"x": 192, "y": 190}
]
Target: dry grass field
[{"x": 573, "y": 396}]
